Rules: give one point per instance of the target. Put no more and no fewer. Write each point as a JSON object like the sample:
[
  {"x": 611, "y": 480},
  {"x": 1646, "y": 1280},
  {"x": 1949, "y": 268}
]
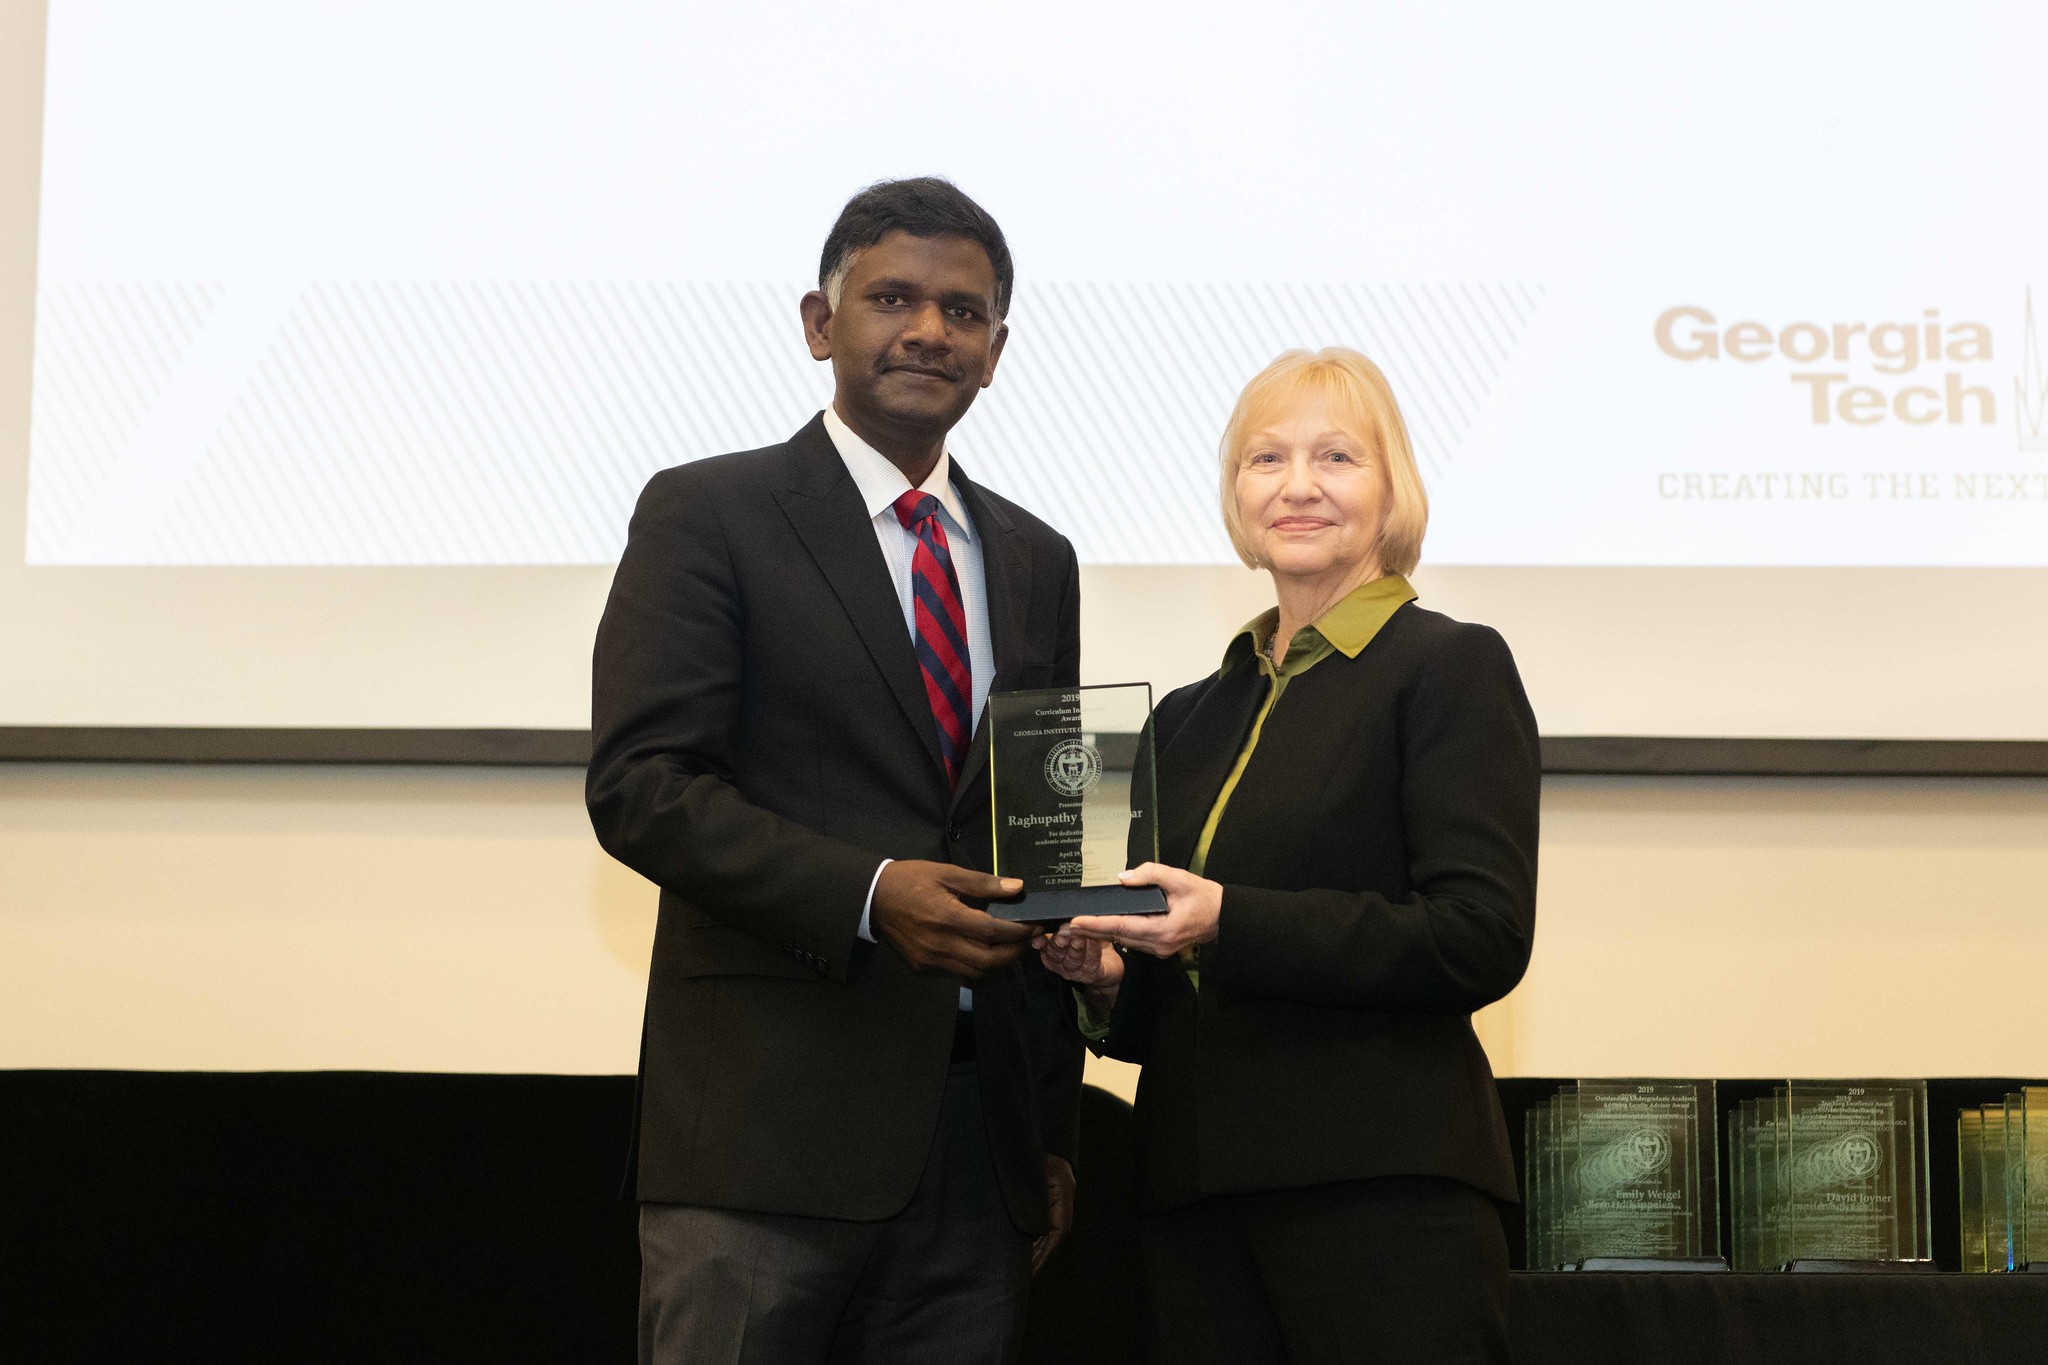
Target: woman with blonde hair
[{"x": 1348, "y": 811}]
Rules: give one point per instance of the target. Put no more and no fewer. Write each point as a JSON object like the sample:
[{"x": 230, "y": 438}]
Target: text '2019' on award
[{"x": 1073, "y": 799}]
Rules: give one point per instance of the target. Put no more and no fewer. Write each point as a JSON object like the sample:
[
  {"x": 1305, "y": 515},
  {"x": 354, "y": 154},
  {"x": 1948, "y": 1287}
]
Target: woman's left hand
[{"x": 1193, "y": 907}]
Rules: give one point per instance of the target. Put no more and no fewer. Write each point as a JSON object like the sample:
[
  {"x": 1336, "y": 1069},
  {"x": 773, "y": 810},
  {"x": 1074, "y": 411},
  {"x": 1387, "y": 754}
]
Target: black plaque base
[
  {"x": 1821, "y": 1265},
  {"x": 1660, "y": 1264},
  {"x": 1063, "y": 903}
]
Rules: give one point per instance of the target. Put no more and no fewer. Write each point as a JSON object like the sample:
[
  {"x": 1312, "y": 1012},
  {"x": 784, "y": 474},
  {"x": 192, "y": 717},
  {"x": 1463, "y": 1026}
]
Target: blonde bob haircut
[{"x": 1362, "y": 404}]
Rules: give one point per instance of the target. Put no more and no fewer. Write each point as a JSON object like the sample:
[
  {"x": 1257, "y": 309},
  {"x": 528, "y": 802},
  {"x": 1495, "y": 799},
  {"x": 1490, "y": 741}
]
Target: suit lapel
[
  {"x": 1199, "y": 756},
  {"x": 1006, "y": 576},
  {"x": 824, "y": 506}
]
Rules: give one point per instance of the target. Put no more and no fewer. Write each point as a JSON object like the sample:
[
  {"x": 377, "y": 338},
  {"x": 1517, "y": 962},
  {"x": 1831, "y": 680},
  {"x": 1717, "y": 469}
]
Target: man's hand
[
  {"x": 1090, "y": 963},
  {"x": 1059, "y": 1201},
  {"x": 1094, "y": 965},
  {"x": 922, "y": 908}
]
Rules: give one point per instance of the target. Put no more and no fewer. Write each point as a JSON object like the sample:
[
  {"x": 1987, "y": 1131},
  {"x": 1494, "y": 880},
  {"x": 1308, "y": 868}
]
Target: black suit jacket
[
  {"x": 761, "y": 741},
  {"x": 1378, "y": 859}
]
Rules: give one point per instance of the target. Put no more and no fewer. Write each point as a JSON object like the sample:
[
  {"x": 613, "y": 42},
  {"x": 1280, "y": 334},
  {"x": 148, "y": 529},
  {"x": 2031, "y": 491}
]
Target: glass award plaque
[
  {"x": 1645, "y": 1171},
  {"x": 1844, "y": 1191},
  {"x": 2031, "y": 1226},
  {"x": 1536, "y": 1197},
  {"x": 1997, "y": 1186},
  {"x": 1970, "y": 1187},
  {"x": 1833, "y": 1175},
  {"x": 1853, "y": 1174},
  {"x": 1563, "y": 1218},
  {"x": 2002, "y": 1182},
  {"x": 1623, "y": 1175},
  {"x": 1738, "y": 1227},
  {"x": 1073, "y": 800},
  {"x": 1758, "y": 1237},
  {"x": 1751, "y": 1244}
]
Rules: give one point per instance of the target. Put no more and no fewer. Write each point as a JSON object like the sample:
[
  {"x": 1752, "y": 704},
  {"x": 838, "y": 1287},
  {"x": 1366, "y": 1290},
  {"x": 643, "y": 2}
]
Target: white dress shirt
[{"x": 880, "y": 484}]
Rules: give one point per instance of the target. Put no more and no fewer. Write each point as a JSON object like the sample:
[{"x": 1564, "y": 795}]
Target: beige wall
[{"x": 464, "y": 920}]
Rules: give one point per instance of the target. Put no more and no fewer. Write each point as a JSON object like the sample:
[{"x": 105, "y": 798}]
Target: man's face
[{"x": 915, "y": 334}]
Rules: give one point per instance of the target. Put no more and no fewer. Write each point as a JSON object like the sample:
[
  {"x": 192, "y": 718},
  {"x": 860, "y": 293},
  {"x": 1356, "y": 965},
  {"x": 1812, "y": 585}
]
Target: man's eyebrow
[{"x": 912, "y": 287}]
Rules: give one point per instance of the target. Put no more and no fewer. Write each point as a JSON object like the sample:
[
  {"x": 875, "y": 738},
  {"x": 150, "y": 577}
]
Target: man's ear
[
  {"x": 817, "y": 315},
  {"x": 995, "y": 353}
]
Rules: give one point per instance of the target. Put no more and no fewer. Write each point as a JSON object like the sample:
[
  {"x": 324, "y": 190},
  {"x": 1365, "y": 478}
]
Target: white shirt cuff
[{"x": 867, "y": 911}]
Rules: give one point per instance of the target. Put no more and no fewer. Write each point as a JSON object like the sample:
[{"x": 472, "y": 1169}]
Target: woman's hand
[{"x": 1193, "y": 907}]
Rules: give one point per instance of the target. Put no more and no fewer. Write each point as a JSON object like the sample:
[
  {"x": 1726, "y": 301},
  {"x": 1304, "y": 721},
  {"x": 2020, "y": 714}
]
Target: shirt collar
[
  {"x": 1349, "y": 625},
  {"x": 881, "y": 483}
]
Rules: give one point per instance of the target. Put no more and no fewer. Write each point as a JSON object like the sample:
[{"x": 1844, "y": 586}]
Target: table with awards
[
  {"x": 1795, "y": 1175},
  {"x": 1830, "y": 1218}
]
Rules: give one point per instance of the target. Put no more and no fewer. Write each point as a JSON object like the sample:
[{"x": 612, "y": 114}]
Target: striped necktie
[{"x": 941, "y": 627}]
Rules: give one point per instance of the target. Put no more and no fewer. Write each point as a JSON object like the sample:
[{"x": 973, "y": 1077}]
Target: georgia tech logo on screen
[
  {"x": 1920, "y": 372},
  {"x": 1824, "y": 357},
  {"x": 1073, "y": 767}
]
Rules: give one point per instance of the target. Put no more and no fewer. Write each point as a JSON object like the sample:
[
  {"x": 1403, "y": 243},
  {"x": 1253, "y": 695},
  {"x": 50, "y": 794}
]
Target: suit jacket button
[{"x": 953, "y": 833}]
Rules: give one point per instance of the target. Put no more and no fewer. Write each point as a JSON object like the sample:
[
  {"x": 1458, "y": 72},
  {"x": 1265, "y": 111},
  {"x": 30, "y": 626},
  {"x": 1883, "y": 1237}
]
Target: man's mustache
[{"x": 952, "y": 373}]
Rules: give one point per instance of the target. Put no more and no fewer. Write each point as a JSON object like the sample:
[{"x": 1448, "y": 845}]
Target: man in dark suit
[{"x": 857, "y": 1096}]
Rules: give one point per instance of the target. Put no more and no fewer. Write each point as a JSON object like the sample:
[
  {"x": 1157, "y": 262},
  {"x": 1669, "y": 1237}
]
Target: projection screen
[{"x": 356, "y": 329}]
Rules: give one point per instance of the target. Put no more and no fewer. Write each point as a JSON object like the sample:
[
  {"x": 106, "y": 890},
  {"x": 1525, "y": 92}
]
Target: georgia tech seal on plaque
[{"x": 1073, "y": 767}]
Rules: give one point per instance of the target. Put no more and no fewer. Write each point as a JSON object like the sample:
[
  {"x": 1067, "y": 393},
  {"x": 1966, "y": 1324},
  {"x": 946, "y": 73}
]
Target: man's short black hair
[{"x": 925, "y": 206}]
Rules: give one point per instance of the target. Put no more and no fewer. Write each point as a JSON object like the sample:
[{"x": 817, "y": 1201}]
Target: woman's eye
[
  {"x": 1340, "y": 456},
  {"x": 1265, "y": 457}
]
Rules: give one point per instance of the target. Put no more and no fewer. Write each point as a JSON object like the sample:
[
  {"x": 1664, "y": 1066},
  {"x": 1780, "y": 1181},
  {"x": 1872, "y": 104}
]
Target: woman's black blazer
[{"x": 1378, "y": 860}]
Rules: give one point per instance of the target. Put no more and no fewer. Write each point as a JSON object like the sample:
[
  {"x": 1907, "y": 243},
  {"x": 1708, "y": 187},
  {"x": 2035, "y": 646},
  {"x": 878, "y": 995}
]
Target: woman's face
[{"x": 1311, "y": 496}]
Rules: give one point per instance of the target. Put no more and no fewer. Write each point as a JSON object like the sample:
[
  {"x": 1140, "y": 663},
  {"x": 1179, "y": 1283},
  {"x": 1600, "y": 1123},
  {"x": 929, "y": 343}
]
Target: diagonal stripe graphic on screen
[
  {"x": 104, "y": 354},
  {"x": 383, "y": 422},
  {"x": 124, "y": 518}
]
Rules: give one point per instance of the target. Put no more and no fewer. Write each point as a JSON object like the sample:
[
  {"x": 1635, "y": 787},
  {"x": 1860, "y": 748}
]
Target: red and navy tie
[{"x": 941, "y": 627}]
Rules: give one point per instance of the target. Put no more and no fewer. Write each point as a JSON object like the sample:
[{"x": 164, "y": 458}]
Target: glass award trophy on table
[
  {"x": 2032, "y": 1195},
  {"x": 1073, "y": 800},
  {"x": 1536, "y": 1189},
  {"x": 1623, "y": 1175},
  {"x": 2002, "y": 1176},
  {"x": 1832, "y": 1175},
  {"x": 1972, "y": 1205},
  {"x": 1857, "y": 1168},
  {"x": 1999, "y": 1180}
]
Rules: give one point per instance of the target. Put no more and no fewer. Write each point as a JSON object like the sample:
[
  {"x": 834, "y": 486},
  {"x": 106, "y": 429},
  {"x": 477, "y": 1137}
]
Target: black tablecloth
[
  {"x": 1927, "y": 1319},
  {"x": 360, "y": 1217}
]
